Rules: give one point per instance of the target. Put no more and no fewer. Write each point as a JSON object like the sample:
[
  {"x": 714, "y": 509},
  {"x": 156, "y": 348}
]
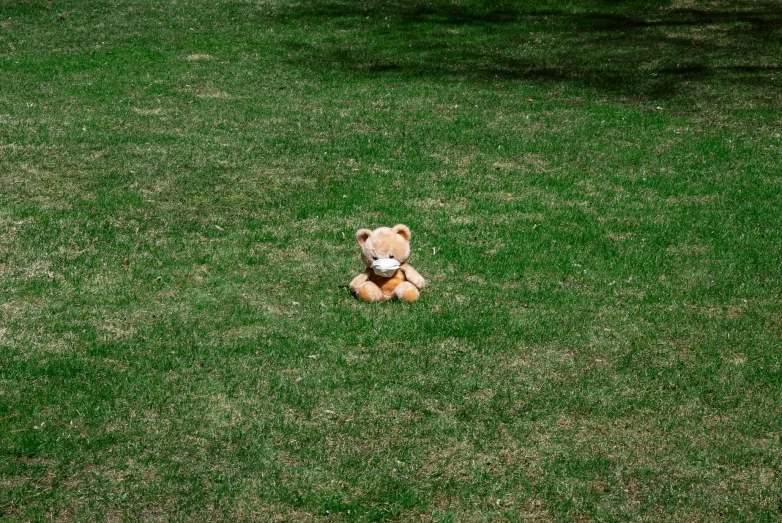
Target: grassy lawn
[{"x": 595, "y": 193}]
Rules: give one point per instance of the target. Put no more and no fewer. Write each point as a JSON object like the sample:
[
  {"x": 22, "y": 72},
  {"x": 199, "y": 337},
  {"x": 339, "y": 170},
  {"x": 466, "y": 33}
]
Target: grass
[{"x": 594, "y": 194}]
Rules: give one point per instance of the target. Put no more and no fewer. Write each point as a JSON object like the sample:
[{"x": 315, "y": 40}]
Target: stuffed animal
[{"x": 385, "y": 251}]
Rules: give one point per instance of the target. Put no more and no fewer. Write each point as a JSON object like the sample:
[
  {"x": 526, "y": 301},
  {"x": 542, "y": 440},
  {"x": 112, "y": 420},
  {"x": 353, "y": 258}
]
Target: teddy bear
[{"x": 384, "y": 251}]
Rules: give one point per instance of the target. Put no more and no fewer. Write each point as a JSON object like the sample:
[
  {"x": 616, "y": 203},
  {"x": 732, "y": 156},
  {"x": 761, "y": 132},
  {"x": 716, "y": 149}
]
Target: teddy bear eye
[
  {"x": 375, "y": 257},
  {"x": 391, "y": 256}
]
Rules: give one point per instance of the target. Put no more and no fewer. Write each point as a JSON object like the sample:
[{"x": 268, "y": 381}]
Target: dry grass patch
[{"x": 149, "y": 112}]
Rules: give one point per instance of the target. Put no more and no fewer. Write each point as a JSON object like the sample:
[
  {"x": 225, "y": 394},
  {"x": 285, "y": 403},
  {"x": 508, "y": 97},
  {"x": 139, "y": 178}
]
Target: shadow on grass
[{"x": 631, "y": 49}]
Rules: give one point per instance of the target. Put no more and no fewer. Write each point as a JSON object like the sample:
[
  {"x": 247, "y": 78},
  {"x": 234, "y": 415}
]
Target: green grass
[{"x": 595, "y": 194}]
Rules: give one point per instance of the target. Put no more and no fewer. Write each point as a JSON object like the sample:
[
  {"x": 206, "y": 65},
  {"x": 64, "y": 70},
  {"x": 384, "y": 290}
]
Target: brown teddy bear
[{"x": 387, "y": 276}]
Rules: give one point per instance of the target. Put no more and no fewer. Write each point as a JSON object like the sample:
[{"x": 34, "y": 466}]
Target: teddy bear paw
[
  {"x": 369, "y": 292},
  {"x": 407, "y": 292}
]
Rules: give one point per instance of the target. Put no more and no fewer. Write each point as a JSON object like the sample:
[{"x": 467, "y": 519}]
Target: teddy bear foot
[
  {"x": 369, "y": 292},
  {"x": 406, "y": 291}
]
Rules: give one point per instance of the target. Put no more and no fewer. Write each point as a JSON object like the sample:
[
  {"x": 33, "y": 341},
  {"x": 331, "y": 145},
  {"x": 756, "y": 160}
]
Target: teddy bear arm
[
  {"x": 413, "y": 276},
  {"x": 359, "y": 280}
]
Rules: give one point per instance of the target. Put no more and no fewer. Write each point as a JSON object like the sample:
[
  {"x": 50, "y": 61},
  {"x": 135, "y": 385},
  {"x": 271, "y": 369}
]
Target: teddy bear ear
[
  {"x": 403, "y": 231},
  {"x": 362, "y": 235}
]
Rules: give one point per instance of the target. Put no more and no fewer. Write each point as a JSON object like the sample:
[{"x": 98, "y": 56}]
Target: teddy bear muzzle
[{"x": 385, "y": 267}]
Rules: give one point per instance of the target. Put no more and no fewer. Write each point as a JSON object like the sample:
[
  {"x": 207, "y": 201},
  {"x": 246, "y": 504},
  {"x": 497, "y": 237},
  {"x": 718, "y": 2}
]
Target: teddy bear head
[{"x": 384, "y": 243}]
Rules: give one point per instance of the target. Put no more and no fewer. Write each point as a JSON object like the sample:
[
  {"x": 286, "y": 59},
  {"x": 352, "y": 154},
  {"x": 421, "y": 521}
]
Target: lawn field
[{"x": 594, "y": 190}]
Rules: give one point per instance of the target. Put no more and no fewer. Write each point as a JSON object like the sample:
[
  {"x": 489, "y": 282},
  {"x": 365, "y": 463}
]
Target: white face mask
[{"x": 385, "y": 268}]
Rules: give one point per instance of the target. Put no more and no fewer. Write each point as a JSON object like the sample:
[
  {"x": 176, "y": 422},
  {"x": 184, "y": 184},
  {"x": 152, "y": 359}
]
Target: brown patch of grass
[
  {"x": 148, "y": 112},
  {"x": 198, "y": 57},
  {"x": 14, "y": 310},
  {"x": 620, "y": 237},
  {"x": 223, "y": 411},
  {"x": 454, "y": 205},
  {"x": 214, "y": 93},
  {"x": 47, "y": 188}
]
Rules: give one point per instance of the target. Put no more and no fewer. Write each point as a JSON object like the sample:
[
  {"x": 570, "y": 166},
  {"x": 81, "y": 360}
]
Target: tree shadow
[{"x": 629, "y": 49}]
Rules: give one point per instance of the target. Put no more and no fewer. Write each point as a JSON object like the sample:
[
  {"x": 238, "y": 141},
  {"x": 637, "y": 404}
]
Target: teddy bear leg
[
  {"x": 370, "y": 292},
  {"x": 406, "y": 291}
]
